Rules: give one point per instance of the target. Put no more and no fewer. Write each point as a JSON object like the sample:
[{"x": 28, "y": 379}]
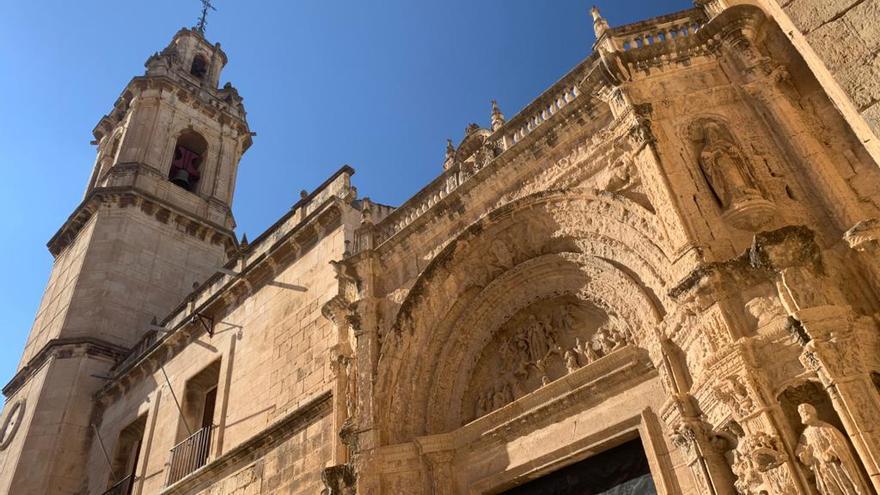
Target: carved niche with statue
[
  {"x": 729, "y": 175},
  {"x": 540, "y": 344}
]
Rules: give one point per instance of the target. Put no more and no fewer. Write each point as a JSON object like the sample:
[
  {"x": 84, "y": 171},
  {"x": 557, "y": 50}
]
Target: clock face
[{"x": 11, "y": 424}]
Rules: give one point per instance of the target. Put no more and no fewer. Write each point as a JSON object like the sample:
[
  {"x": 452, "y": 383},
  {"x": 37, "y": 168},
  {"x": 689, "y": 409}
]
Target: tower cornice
[
  {"x": 223, "y": 104},
  {"x": 160, "y": 209}
]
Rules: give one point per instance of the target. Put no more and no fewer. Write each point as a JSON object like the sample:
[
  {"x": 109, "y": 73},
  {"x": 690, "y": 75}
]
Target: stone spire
[
  {"x": 600, "y": 25},
  {"x": 497, "y": 116}
]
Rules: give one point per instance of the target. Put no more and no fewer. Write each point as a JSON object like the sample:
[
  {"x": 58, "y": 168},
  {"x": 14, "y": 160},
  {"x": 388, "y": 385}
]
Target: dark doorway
[{"x": 622, "y": 470}]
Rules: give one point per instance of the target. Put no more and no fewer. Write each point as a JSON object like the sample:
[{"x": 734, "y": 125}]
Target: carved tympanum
[
  {"x": 539, "y": 344},
  {"x": 826, "y": 452}
]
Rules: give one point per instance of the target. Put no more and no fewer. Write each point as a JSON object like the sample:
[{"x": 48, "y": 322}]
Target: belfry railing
[{"x": 189, "y": 455}]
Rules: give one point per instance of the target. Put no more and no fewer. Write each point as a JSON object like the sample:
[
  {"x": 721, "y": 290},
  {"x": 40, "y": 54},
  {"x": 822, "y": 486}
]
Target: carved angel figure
[
  {"x": 725, "y": 167},
  {"x": 825, "y": 451}
]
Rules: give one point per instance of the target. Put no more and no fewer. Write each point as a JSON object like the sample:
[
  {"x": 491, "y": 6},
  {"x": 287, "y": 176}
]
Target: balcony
[{"x": 189, "y": 455}]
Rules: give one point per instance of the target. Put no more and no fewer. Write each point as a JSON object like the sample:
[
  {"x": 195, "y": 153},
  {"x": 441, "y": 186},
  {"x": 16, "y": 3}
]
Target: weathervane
[{"x": 203, "y": 20}]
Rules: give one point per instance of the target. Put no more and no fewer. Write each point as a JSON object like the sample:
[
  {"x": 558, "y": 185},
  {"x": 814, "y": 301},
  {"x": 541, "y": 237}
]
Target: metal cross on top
[{"x": 203, "y": 20}]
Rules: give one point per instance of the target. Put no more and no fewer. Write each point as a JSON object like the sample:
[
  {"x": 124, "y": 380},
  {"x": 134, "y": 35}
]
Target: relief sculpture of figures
[{"x": 824, "y": 449}]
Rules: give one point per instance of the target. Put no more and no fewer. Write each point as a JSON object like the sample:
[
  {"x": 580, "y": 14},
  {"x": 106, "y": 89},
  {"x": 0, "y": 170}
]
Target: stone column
[
  {"x": 698, "y": 443},
  {"x": 836, "y": 342},
  {"x": 439, "y": 467},
  {"x": 690, "y": 433},
  {"x": 726, "y": 378},
  {"x": 835, "y": 352},
  {"x": 763, "y": 462}
]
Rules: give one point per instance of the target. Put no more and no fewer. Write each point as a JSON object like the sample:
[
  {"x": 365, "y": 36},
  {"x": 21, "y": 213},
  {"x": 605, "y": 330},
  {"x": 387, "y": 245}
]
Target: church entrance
[{"x": 622, "y": 470}]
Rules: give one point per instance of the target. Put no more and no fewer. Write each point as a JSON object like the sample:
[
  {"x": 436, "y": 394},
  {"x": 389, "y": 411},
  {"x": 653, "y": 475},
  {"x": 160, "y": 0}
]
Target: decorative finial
[
  {"x": 600, "y": 25},
  {"x": 450, "y": 155},
  {"x": 497, "y": 116},
  {"x": 244, "y": 242},
  {"x": 203, "y": 19}
]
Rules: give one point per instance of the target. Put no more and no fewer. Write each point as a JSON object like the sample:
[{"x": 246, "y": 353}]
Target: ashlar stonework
[{"x": 661, "y": 275}]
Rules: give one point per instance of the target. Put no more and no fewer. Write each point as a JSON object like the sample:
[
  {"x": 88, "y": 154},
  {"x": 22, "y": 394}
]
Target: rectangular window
[
  {"x": 125, "y": 457},
  {"x": 196, "y": 426}
]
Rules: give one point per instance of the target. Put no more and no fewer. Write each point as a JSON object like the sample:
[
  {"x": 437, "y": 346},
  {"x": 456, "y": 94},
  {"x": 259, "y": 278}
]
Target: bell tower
[{"x": 155, "y": 221}]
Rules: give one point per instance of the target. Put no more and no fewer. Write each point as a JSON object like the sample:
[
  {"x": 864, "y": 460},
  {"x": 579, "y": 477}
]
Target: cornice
[
  {"x": 127, "y": 196},
  {"x": 61, "y": 348}
]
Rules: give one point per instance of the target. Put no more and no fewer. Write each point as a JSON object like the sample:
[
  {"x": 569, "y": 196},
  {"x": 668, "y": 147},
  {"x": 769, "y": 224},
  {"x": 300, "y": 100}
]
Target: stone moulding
[
  {"x": 256, "y": 447},
  {"x": 125, "y": 196},
  {"x": 621, "y": 368},
  {"x": 59, "y": 348},
  {"x": 516, "y": 135}
]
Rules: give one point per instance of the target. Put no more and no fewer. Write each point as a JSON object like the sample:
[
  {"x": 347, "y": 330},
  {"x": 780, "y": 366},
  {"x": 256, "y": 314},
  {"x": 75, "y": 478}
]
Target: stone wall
[
  {"x": 273, "y": 346},
  {"x": 844, "y": 34}
]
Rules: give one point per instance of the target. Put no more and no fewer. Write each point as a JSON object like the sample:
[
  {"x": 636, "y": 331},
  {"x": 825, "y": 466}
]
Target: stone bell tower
[{"x": 154, "y": 222}]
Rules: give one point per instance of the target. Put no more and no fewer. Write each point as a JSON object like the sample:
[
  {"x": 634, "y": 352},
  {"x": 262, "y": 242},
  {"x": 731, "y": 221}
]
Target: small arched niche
[
  {"x": 189, "y": 153},
  {"x": 199, "y": 67}
]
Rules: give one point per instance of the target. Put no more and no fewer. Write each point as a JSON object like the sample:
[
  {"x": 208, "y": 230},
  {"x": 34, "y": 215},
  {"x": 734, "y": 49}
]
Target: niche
[
  {"x": 186, "y": 164},
  {"x": 199, "y": 67}
]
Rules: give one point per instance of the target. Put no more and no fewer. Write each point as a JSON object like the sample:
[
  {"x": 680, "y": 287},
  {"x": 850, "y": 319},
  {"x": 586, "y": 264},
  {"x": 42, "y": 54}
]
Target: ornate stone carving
[
  {"x": 621, "y": 175},
  {"x": 864, "y": 235},
  {"x": 537, "y": 347},
  {"x": 729, "y": 176},
  {"x": 755, "y": 463},
  {"x": 338, "y": 480},
  {"x": 736, "y": 396},
  {"x": 766, "y": 310},
  {"x": 826, "y": 452}
]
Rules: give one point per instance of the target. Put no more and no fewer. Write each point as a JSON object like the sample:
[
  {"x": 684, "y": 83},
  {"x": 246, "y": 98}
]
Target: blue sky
[{"x": 378, "y": 85}]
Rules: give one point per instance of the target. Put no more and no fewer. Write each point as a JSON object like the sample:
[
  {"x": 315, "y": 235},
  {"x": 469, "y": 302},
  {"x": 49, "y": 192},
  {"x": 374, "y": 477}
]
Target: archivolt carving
[{"x": 598, "y": 251}]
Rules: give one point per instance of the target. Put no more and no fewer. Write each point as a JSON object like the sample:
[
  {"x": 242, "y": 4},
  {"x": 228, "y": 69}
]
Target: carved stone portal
[{"x": 539, "y": 344}]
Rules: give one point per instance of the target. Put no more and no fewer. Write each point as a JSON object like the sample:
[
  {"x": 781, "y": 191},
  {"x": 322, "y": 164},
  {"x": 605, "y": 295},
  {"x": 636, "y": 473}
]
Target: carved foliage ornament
[{"x": 755, "y": 463}]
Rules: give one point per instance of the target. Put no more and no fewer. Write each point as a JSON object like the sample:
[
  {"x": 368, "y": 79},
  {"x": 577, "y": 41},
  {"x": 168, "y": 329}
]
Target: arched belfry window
[
  {"x": 189, "y": 152},
  {"x": 199, "y": 67}
]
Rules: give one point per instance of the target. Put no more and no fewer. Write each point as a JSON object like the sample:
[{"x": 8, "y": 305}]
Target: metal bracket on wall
[{"x": 206, "y": 321}]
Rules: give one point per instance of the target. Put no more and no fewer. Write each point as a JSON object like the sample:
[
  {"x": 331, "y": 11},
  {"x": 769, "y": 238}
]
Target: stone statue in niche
[
  {"x": 826, "y": 452},
  {"x": 724, "y": 166},
  {"x": 729, "y": 176}
]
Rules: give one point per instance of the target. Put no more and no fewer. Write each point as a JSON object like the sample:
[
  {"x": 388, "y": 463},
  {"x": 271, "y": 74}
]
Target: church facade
[{"x": 661, "y": 276}]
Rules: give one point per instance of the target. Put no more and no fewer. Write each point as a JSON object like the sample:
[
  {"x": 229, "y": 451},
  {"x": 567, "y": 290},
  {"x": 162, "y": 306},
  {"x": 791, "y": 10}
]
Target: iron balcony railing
[
  {"x": 122, "y": 487},
  {"x": 189, "y": 455}
]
